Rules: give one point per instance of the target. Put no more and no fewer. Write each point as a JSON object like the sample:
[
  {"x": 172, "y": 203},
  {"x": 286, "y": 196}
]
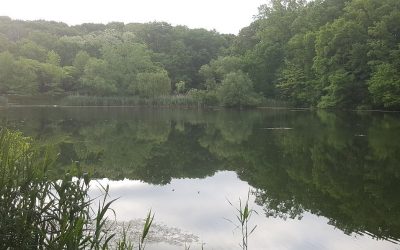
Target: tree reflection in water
[{"x": 344, "y": 166}]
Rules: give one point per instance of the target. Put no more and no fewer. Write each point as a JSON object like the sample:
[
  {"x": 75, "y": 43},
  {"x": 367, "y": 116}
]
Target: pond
[{"x": 315, "y": 179}]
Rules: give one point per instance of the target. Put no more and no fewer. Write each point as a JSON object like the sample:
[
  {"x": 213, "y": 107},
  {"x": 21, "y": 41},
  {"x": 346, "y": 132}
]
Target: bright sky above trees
[{"x": 225, "y": 16}]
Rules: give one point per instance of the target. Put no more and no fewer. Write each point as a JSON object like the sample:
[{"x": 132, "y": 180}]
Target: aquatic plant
[
  {"x": 123, "y": 243},
  {"x": 39, "y": 212},
  {"x": 146, "y": 228},
  {"x": 161, "y": 101},
  {"x": 243, "y": 216}
]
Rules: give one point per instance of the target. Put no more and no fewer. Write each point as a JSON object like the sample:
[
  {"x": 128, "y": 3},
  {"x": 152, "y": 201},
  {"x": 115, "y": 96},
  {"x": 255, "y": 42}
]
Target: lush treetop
[{"x": 323, "y": 53}]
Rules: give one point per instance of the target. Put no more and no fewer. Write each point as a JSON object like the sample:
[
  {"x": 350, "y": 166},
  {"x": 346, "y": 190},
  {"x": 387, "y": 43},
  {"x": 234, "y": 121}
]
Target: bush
[
  {"x": 153, "y": 84},
  {"x": 236, "y": 90},
  {"x": 203, "y": 97}
]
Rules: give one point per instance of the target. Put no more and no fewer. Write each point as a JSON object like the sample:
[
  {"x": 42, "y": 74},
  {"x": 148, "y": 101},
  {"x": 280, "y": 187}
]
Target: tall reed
[
  {"x": 168, "y": 101},
  {"x": 146, "y": 228},
  {"x": 243, "y": 216},
  {"x": 38, "y": 212}
]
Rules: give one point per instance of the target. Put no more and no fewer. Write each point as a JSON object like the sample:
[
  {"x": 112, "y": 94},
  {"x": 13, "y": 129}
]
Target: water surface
[{"x": 318, "y": 180}]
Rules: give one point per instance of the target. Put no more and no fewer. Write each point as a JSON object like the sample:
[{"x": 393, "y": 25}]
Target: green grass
[{"x": 167, "y": 101}]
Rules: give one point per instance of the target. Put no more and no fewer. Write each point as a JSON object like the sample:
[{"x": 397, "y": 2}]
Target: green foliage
[
  {"x": 6, "y": 71},
  {"x": 124, "y": 62},
  {"x": 153, "y": 84},
  {"x": 49, "y": 77},
  {"x": 340, "y": 86},
  {"x": 320, "y": 53},
  {"x": 80, "y": 61},
  {"x": 295, "y": 86},
  {"x": 5, "y": 44},
  {"x": 203, "y": 97},
  {"x": 384, "y": 86},
  {"x": 17, "y": 76},
  {"x": 296, "y": 82},
  {"x": 121, "y": 52},
  {"x": 264, "y": 60},
  {"x": 237, "y": 90},
  {"x": 39, "y": 212},
  {"x": 327, "y": 54},
  {"x": 214, "y": 73},
  {"x": 341, "y": 74},
  {"x": 70, "y": 82},
  {"x": 180, "y": 87},
  {"x": 180, "y": 50},
  {"x": 53, "y": 58},
  {"x": 95, "y": 80},
  {"x": 31, "y": 50}
]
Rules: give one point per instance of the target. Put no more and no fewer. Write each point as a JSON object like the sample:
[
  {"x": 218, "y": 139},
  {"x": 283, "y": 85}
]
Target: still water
[{"x": 317, "y": 180}]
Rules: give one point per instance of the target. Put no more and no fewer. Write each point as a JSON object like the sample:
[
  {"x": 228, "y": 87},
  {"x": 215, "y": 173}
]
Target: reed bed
[
  {"x": 167, "y": 101},
  {"x": 38, "y": 212}
]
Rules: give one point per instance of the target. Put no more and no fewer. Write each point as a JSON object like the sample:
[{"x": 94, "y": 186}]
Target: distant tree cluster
[
  {"x": 147, "y": 60},
  {"x": 323, "y": 53}
]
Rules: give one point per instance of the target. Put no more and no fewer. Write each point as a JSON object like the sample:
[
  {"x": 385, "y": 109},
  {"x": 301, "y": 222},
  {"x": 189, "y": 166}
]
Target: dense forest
[{"x": 323, "y": 53}]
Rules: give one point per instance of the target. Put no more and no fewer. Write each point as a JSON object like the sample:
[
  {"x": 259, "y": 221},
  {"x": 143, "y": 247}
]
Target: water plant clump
[{"x": 39, "y": 212}]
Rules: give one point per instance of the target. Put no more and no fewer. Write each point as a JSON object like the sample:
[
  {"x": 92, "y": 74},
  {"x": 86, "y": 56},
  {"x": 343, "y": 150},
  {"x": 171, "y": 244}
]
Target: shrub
[{"x": 237, "y": 90}]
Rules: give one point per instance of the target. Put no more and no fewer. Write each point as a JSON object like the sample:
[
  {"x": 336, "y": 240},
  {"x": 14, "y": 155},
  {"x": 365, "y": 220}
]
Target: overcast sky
[{"x": 226, "y": 16}]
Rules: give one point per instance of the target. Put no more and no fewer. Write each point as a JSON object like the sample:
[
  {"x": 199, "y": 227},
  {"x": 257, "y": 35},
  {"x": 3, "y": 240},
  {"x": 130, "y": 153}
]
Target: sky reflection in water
[
  {"x": 321, "y": 166},
  {"x": 200, "y": 207}
]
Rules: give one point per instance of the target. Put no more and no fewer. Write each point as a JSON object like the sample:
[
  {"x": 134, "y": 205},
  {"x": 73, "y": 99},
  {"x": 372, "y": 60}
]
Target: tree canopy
[
  {"x": 323, "y": 53},
  {"x": 42, "y": 57}
]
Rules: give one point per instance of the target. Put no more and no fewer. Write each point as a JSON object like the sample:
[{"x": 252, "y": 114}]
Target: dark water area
[{"x": 318, "y": 180}]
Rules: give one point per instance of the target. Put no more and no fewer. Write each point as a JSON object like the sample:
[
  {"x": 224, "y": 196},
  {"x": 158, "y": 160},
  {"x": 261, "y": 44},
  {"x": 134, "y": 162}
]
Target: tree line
[
  {"x": 41, "y": 57},
  {"x": 323, "y": 53}
]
